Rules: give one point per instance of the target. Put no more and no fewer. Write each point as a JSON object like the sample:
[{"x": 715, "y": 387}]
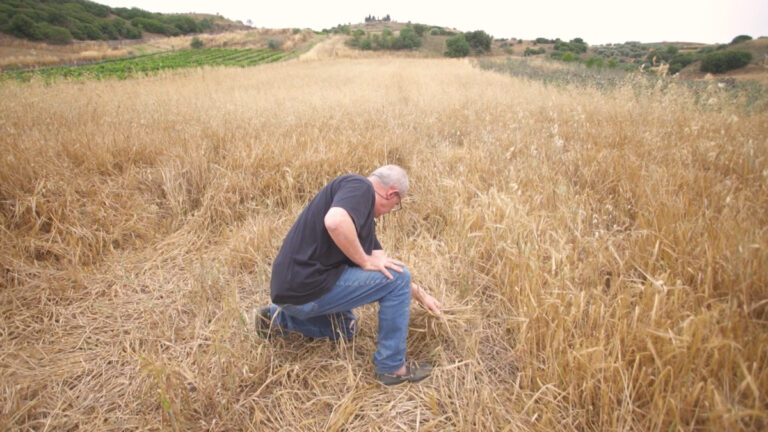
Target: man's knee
[{"x": 403, "y": 278}]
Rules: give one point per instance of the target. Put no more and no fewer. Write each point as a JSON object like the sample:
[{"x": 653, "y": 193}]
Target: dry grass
[
  {"x": 19, "y": 53},
  {"x": 601, "y": 258}
]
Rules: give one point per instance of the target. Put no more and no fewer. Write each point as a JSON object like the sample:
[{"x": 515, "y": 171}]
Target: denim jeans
[{"x": 331, "y": 315}]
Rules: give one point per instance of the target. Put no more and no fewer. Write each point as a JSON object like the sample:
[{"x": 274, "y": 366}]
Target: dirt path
[{"x": 331, "y": 47}]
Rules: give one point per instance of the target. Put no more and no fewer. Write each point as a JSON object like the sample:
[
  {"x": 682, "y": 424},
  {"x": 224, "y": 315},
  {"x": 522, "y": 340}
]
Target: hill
[{"x": 65, "y": 21}]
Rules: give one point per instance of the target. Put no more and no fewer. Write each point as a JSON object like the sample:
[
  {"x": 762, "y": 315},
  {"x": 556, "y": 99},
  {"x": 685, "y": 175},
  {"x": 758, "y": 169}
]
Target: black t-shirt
[{"x": 309, "y": 263}]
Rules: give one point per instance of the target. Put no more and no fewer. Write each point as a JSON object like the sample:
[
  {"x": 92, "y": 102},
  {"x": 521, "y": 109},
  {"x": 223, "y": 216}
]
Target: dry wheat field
[{"x": 601, "y": 255}]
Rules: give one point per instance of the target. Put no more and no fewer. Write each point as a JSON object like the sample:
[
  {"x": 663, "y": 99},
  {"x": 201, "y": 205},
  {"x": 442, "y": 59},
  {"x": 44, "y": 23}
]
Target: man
[{"x": 331, "y": 262}]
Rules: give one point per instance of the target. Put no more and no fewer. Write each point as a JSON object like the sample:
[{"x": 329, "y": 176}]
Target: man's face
[{"x": 386, "y": 202}]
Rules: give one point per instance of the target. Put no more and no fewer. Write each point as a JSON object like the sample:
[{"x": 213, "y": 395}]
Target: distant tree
[
  {"x": 407, "y": 39},
  {"x": 22, "y": 26},
  {"x": 478, "y": 40},
  {"x": 457, "y": 46},
  {"x": 741, "y": 38},
  {"x": 207, "y": 24},
  {"x": 196, "y": 43},
  {"x": 275, "y": 43},
  {"x": 531, "y": 52},
  {"x": 723, "y": 61}
]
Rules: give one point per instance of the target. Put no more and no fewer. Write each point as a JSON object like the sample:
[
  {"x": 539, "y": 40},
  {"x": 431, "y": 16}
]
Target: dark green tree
[
  {"x": 723, "y": 61},
  {"x": 741, "y": 38},
  {"x": 478, "y": 40},
  {"x": 457, "y": 46}
]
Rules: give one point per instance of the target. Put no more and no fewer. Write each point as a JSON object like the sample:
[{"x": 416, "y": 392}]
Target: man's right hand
[{"x": 379, "y": 261}]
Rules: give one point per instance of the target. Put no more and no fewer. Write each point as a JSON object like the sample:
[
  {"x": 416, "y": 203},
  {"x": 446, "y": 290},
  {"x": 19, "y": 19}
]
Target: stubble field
[{"x": 600, "y": 254}]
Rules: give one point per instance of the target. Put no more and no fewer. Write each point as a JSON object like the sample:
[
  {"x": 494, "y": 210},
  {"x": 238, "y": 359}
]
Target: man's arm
[
  {"x": 341, "y": 228},
  {"x": 426, "y": 300}
]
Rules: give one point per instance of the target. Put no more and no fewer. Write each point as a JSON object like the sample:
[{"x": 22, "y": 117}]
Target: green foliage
[
  {"x": 457, "y": 46},
  {"x": 275, "y": 43},
  {"x": 679, "y": 61},
  {"x": 741, "y": 38},
  {"x": 22, "y": 26},
  {"x": 719, "y": 62},
  {"x": 541, "y": 40},
  {"x": 420, "y": 29},
  {"x": 407, "y": 39},
  {"x": 478, "y": 40},
  {"x": 206, "y": 24},
  {"x": 155, "y": 26},
  {"x": 531, "y": 52},
  {"x": 439, "y": 31},
  {"x": 196, "y": 43},
  {"x": 55, "y": 35},
  {"x": 595, "y": 62},
  {"x": 576, "y": 46},
  {"x": 86, "y": 20}
]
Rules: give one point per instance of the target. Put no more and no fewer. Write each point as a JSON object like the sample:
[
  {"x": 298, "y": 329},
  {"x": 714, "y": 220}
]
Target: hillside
[{"x": 65, "y": 21}]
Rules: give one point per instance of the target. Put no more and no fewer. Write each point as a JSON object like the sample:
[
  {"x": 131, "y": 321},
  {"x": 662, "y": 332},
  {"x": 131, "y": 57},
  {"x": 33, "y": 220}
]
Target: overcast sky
[{"x": 595, "y": 21}]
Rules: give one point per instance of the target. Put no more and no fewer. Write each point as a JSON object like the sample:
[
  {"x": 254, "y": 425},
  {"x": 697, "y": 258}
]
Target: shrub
[
  {"x": 457, "y": 46},
  {"x": 196, "y": 43},
  {"x": 719, "y": 62},
  {"x": 183, "y": 23},
  {"x": 22, "y": 26},
  {"x": 90, "y": 32},
  {"x": 439, "y": 31},
  {"x": 741, "y": 38},
  {"x": 595, "y": 61},
  {"x": 56, "y": 35},
  {"x": 478, "y": 40},
  {"x": 150, "y": 25},
  {"x": 678, "y": 62},
  {"x": 275, "y": 43},
  {"x": 541, "y": 40},
  {"x": 407, "y": 39},
  {"x": 575, "y": 46},
  {"x": 420, "y": 29},
  {"x": 530, "y": 51},
  {"x": 132, "y": 32}
]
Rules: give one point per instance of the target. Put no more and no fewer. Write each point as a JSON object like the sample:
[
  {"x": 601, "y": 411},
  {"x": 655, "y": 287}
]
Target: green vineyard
[{"x": 148, "y": 64}]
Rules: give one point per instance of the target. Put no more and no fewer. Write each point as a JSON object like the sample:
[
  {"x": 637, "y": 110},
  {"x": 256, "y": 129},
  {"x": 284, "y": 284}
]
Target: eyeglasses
[{"x": 398, "y": 206}]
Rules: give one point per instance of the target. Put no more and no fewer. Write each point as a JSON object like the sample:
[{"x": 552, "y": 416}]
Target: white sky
[{"x": 595, "y": 21}]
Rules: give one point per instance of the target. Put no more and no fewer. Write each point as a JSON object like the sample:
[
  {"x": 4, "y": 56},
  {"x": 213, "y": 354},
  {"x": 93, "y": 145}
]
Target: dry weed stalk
[{"x": 601, "y": 258}]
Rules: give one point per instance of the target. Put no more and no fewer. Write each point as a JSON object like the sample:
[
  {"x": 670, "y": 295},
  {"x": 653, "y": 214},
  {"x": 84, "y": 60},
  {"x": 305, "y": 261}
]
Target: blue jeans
[{"x": 331, "y": 315}]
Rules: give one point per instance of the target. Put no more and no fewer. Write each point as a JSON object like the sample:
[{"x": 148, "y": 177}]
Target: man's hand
[
  {"x": 379, "y": 261},
  {"x": 426, "y": 300}
]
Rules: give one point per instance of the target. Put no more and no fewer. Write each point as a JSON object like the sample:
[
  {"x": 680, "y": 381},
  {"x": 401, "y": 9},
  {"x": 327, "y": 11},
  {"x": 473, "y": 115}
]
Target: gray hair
[{"x": 392, "y": 175}]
